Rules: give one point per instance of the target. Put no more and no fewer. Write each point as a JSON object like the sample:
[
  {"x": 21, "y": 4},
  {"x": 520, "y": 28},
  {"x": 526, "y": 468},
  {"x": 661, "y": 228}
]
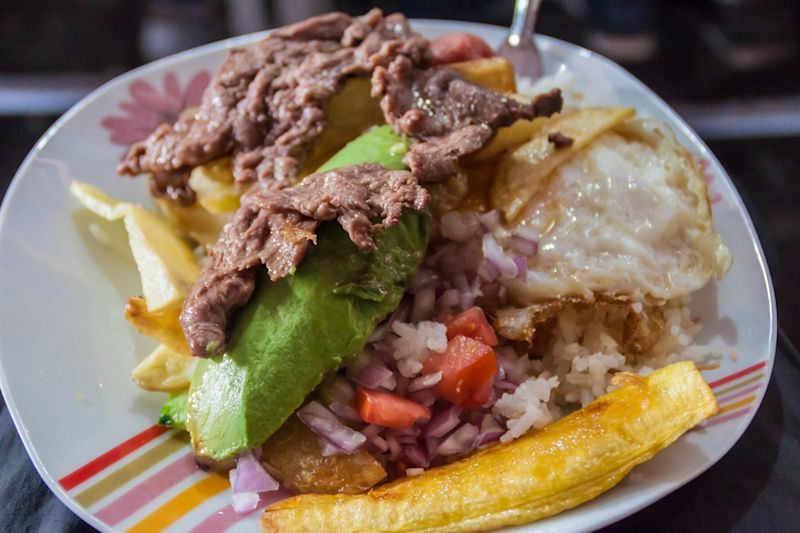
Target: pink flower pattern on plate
[
  {"x": 148, "y": 108},
  {"x": 708, "y": 175}
]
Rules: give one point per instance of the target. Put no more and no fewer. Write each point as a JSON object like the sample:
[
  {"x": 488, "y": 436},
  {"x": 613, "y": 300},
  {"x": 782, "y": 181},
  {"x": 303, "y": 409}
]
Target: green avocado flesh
[
  {"x": 173, "y": 413},
  {"x": 295, "y": 331}
]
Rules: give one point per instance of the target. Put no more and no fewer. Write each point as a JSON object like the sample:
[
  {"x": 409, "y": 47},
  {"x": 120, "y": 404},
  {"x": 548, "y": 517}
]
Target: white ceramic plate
[{"x": 66, "y": 351}]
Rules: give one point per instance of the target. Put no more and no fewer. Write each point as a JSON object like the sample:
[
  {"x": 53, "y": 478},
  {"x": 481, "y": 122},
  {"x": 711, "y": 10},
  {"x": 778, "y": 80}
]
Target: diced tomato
[
  {"x": 468, "y": 367},
  {"x": 472, "y": 323},
  {"x": 387, "y": 409},
  {"x": 455, "y": 47}
]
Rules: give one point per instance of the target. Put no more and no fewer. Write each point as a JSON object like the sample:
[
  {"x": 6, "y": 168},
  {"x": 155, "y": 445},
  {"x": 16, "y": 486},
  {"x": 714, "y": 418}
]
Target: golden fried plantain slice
[
  {"x": 524, "y": 170},
  {"x": 293, "y": 454},
  {"x": 541, "y": 474}
]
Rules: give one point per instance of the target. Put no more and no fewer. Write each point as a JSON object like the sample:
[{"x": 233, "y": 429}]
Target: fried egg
[{"x": 628, "y": 217}]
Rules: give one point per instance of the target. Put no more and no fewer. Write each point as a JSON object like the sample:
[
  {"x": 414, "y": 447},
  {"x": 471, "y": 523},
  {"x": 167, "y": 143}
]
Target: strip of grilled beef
[{"x": 275, "y": 227}]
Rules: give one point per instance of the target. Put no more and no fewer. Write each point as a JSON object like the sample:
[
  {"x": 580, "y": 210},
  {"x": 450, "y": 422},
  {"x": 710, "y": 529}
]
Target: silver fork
[{"x": 519, "y": 47}]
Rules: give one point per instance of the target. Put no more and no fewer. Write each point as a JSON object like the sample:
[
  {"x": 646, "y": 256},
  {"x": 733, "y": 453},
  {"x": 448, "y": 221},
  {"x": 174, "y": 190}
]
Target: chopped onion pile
[
  {"x": 248, "y": 481},
  {"x": 470, "y": 260},
  {"x": 337, "y": 437}
]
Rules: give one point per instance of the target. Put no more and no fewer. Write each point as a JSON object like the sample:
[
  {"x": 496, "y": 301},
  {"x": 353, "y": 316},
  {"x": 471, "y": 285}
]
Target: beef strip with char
[
  {"x": 450, "y": 115},
  {"x": 274, "y": 227},
  {"x": 445, "y": 114},
  {"x": 266, "y": 104}
]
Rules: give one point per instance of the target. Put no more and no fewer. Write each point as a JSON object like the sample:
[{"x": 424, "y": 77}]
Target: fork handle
[{"x": 524, "y": 21}]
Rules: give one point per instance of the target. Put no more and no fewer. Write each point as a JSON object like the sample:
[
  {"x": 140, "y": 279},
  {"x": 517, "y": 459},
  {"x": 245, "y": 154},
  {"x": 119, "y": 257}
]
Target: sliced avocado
[
  {"x": 173, "y": 413},
  {"x": 295, "y": 331}
]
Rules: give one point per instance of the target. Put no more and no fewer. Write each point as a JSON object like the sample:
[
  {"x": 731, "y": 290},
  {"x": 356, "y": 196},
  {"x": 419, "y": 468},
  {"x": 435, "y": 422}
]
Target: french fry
[
  {"x": 215, "y": 188},
  {"x": 194, "y": 221},
  {"x": 523, "y": 171},
  {"x": 162, "y": 325},
  {"x": 167, "y": 267},
  {"x": 541, "y": 474},
  {"x": 496, "y": 73},
  {"x": 509, "y": 137},
  {"x": 164, "y": 370}
]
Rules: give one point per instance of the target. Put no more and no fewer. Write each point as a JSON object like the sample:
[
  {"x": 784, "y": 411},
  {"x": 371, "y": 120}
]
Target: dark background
[{"x": 730, "y": 67}]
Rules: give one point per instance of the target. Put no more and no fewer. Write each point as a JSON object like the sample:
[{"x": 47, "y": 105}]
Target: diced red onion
[
  {"x": 490, "y": 220},
  {"x": 404, "y": 436},
  {"x": 424, "y": 397},
  {"x": 467, "y": 300},
  {"x": 247, "y": 480},
  {"x": 412, "y": 430},
  {"x": 379, "y": 333},
  {"x": 345, "y": 411},
  {"x": 406, "y": 439},
  {"x": 384, "y": 351},
  {"x": 528, "y": 233},
  {"x": 505, "y": 384},
  {"x": 372, "y": 375},
  {"x": 338, "y": 389},
  {"x": 461, "y": 282},
  {"x": 393, "y": 445},
  {"x": 325, "y": 424},
  {"x": 329, "y": 449},
  {"x": 416, "y": 455},
  {"x": 424, "y": 277},
  {"x": 457, "y": 227},
  {"x": 424, "y": 382},
  {"x": 378, "y": 443},
  {"x": 431, "y": 445},
  {"x": 245, "y": 502},
  {"x": 522, "y": 267},
  {"x": 496, "y": 256},
  {"x": 250, "y": 476},
  {"x": 490, "y": 430},
  {"x": 488, "y": 272},
  {"x": 402, "y": 384},
  {"x": 444, "y": 421},
  {"x": 371, "y": 430},
  {"x": 424, "y": 300},
  {"x": 522, "y": 245},
  {"x": 411, "y": 472},
  {"x": 401, "y": 313},
  {"x": 461, "y": 441},
  {"x": 451, "y": 298},
  {"x": 436, "y": 255},
  {"x": 493, "y": 395}
]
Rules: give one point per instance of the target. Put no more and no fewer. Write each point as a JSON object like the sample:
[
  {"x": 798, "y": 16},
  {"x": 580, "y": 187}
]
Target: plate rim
[{"x": 675, "y": 120}]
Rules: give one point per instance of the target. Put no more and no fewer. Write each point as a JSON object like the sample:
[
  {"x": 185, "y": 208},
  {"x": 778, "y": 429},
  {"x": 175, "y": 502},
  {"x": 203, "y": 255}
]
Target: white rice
[
  {"x": 584, "y": 353},
  {"x": 414, "y": 344},
  {"x": 527, "y": 407}
]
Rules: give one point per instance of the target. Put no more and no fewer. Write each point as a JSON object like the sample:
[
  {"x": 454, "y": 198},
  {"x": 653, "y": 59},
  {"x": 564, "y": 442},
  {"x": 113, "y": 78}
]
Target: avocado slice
[
  {"x": 295, "y": 331},
  {"x": 173, "y": 413}
]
